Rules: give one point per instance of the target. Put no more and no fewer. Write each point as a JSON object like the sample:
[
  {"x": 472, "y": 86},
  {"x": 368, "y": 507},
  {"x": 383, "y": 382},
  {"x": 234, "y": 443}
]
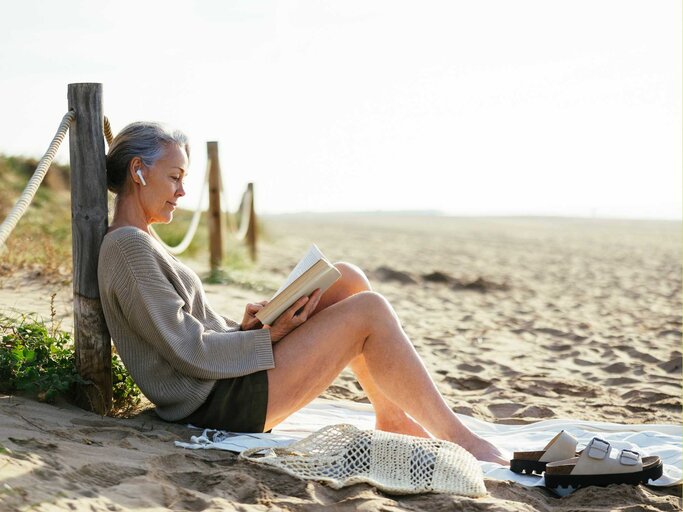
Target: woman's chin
[{"x": 164, "y": 220}]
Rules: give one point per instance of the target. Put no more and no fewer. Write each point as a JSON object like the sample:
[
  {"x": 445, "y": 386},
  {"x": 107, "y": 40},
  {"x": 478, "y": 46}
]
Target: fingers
[
  {"x": 293, "y": 312},
  {"x": 296, "y": 315},
  {"x": 312, "y": 303},
  {"x": 309, "y": 306},
  {"x": 253, "y": 308}
]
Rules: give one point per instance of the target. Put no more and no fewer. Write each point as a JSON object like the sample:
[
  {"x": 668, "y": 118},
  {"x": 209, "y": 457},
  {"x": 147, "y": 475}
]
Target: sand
[{"x": 517, "y": 320}]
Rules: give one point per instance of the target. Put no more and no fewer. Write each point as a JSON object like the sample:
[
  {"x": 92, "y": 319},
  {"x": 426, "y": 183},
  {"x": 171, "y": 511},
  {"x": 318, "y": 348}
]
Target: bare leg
[
  {"x": 309, "y": 359},
  {"x": 388, "y": 416}
]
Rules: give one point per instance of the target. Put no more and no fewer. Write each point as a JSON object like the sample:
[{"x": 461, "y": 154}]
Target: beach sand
[{"x": 517, "y": 320}]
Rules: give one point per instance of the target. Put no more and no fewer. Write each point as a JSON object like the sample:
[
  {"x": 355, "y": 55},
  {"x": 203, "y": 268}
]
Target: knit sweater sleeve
[{"x": 157, "y": 313}]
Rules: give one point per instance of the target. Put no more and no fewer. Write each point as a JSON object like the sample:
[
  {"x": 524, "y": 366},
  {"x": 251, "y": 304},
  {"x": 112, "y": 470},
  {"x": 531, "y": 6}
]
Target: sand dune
[{"x": 517, "y": 320}]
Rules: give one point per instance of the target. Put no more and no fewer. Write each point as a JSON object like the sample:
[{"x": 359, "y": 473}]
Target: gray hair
[{"x": 145, "y": 140}]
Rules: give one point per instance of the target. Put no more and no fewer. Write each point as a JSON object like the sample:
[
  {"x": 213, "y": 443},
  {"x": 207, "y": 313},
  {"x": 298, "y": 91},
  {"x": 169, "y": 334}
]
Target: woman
[{"x": 198, "y": 367}]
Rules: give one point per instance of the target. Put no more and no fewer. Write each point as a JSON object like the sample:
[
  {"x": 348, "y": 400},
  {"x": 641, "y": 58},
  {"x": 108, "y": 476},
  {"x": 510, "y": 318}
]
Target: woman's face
[{"x": 164, "y": 185}]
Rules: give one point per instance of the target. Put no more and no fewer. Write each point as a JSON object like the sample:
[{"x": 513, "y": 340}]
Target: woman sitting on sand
[{"x": 198, "y": 367}]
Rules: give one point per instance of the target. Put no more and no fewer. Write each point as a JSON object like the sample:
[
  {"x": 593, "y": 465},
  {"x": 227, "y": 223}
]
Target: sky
[{"x": 486, "y": 107}]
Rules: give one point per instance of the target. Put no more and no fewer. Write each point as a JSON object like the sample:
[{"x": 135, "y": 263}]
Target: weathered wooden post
[
  {"x": 251, "y": 229},
  {"x": 215, "y": 217},
  {"x": 89, "y": 225}
]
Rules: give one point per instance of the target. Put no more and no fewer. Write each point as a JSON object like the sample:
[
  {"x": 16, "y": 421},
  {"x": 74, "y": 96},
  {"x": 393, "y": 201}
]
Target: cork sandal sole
[
  {"x": 560, "y": 476},
  {"x": 528, "y": 462}
]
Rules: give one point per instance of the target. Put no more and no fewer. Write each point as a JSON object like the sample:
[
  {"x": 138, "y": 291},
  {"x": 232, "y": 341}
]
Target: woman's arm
[{"x": 155, "y": 312}]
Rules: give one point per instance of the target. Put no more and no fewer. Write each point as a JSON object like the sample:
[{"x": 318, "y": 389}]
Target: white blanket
[{"x": 663, "y": 440}]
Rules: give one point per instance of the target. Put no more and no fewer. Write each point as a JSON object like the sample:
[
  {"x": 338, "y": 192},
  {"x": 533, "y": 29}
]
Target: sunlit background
[{"x": 469, "y": 108}]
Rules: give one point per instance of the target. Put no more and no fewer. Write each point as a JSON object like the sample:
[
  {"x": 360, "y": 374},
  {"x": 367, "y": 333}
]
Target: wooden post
[
  {"x": 215, "y": 217},
  {"x": 251, "y": 229},
  {"x": 89, "y": 221}
]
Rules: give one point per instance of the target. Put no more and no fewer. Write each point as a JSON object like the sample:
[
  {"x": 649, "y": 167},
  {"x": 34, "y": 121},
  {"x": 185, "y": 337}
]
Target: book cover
[{"x": 311, "y": 272}]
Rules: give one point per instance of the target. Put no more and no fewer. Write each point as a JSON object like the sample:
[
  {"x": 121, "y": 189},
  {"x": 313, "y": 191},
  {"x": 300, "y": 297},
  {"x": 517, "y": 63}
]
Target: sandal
[
  {"x": 598, "y": 466},
  {"x": 560, "y": 447}
]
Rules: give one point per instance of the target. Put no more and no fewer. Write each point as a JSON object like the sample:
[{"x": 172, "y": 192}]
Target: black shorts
[{"x": 237, "y": 405}]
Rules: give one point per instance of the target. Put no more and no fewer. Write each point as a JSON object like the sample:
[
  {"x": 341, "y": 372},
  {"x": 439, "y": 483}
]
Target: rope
[
  {"x": 245, "y": 215},
  {"x": 29, "y": 192},
  {"x": 194, "y": 224},
  {"x": 107, "y": 132},
  {"x": 240, "y": 233}
]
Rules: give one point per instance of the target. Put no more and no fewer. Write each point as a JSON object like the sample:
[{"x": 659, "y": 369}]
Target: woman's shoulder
[
  {"x": 128, "y": 235},
  {"x": 117, "y": 233},
  {"x": 129, "y": 240}
]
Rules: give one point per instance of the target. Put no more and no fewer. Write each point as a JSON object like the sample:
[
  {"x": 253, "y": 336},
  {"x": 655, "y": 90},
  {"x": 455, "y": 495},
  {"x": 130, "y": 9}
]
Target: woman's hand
[
  {"x": 249, "y": 321},
  {"x": 296, "y": 315}
]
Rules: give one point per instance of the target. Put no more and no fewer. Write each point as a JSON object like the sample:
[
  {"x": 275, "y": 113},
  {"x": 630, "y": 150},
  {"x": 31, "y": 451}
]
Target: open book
[{"x": 313, "y": 271}]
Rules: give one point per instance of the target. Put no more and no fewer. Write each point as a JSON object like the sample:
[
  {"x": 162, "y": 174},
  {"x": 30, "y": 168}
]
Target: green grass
[
  {"x": 173, "y": 233},
  {"x": 41, "y": 241}
]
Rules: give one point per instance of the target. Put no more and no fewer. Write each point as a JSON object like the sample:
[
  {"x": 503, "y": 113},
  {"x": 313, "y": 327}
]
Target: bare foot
[
  {"x": 401, "y": 425},
  {"x": 483, "y": 450}
]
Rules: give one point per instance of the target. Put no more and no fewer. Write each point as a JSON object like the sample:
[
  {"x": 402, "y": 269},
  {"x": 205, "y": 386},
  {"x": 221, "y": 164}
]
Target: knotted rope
[
  {"x": 29, "y": 192},
  {"x": 107, "y": 131}
]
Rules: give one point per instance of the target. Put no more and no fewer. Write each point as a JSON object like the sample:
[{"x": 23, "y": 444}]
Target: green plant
[
  {"x": 126, "y": 394},
  {"x": 33, "y": 360},
  {"x": 42, "y": 362}
]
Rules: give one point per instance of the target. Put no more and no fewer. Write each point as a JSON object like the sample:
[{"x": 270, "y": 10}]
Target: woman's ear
[{"x": 135, "y": 171}]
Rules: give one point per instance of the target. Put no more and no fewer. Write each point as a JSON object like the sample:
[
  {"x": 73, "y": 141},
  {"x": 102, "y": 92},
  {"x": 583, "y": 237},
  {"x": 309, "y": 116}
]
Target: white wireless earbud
[{"x": 139, "y": 173}]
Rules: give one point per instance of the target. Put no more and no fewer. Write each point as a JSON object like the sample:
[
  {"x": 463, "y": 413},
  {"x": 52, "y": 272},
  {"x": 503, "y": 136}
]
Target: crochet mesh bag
[{"x": 343, "y": 455}]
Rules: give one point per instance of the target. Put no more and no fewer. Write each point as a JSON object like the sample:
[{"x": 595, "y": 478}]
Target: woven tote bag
[{"x": 343, "y": 455}]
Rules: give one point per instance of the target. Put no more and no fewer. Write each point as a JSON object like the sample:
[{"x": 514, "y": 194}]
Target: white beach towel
[{"x": 665, "y": 440}]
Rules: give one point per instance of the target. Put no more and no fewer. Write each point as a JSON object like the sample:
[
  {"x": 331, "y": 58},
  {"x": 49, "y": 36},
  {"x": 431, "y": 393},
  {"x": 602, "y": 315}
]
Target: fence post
[
  {"x": 89, "y": 221},
  {"x": 251, "y": 229},
  {"x": 215, "y": 217}
]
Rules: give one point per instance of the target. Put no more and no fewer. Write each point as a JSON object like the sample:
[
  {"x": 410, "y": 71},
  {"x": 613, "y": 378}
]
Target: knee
[
  {"x": 373, "y": 307},
  {"x": 353, "y": 280}
]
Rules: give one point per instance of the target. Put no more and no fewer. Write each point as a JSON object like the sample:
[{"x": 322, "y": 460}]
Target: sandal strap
[
  {"x": 598, "y": 448},
  {"x": 560, "y": 447},
  {"x": 629, "y": 457},
  {"x": 599, "y": 459}
]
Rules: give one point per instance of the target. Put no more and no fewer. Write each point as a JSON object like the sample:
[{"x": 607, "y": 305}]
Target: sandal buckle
[
  {"x": 598, "y": 448},
  {"x": 629, "y": 457}
]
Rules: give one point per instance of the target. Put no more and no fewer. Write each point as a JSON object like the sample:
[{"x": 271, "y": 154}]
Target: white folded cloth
[{"x": 664, "y": 440}]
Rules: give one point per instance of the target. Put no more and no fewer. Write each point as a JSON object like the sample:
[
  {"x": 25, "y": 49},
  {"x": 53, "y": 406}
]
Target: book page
[{"x": 310, "y": 258}]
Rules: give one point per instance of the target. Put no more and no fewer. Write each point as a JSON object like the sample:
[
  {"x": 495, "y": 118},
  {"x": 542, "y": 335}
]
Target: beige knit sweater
[{"x": 174, "y": 345}]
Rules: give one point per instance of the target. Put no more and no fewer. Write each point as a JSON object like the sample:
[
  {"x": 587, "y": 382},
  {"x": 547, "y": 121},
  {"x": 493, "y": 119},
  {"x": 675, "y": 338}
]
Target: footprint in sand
[
  {"x": 620, "y": 381},
  {"x": 479, "y": 285},
  {"x": 617, "y": 368},
  {"x": 649, "y": 397},
  {"x": 385, "y": 274},
  {"x": 673, "y": 365},
  {"x": 104, "y": 474},
  {"x": 558, "y": 347},
  {"x": 474, "y": 368},
  {"x": 535, "y": 411},
  {"x": 505, "y": 409},
  {"x": 674, "y": 333},
  {"x": 584, "y": 362},
  {"x": 436, "y": 342},
  {"x": 551, "y": 331},
  {"x": 32, "y": 443},
  {"x": 437, "y": 277},
  {"x": 640, "y": 356},
  {"x": 467, "y": 383}
]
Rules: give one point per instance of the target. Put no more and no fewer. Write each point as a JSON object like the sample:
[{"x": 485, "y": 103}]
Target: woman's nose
[{"x": 181, "y": 190}]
